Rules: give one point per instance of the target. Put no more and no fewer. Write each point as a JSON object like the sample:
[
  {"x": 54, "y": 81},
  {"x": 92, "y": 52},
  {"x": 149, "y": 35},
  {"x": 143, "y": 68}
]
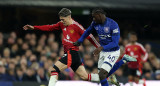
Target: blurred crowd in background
[{"x": 29, "y": 58}]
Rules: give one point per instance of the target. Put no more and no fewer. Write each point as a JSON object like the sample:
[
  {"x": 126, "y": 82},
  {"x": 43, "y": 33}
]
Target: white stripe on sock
[{"x": 95, "y": 77}]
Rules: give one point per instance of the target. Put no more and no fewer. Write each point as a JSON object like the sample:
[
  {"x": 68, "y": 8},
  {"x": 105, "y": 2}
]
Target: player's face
[
  {"x": 133, "y": 38},
  {"x": 97, "y": 18},
  {"x": 65, "y": 20}
]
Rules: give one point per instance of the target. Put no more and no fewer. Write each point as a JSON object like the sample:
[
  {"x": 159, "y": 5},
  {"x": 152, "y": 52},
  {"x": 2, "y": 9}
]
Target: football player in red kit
[
  {"x": 72, "y": 31},
  {"x": 137, "y": 51}
]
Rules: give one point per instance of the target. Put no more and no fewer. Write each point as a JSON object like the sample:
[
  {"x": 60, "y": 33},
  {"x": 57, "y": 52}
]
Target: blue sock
[
  {"x": 115, "y": 67},
  {"x": 104, "y": 82}
]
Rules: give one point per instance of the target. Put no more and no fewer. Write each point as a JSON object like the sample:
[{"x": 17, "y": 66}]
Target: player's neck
[
  {"x": 133, "y": 43},
  {"x": 70, "y": 22}
]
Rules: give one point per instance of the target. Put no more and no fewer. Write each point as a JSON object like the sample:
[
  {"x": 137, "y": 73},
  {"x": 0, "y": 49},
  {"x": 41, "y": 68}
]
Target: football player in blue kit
[{"x": 109, "y": 33}]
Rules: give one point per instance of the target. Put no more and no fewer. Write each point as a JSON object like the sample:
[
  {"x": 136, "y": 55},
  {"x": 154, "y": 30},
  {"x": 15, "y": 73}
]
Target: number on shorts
[{"x": 111, "y": 58}]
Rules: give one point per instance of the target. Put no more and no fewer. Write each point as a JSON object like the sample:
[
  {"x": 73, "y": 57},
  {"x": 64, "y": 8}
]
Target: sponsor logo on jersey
[
  {"x": 104, "y": 36},
  {"x": 68, "y": 37},
  {"x": 106, "y": 29},
  {"x": 115, "y": 30},
  {"x": 72, "y": 31}
]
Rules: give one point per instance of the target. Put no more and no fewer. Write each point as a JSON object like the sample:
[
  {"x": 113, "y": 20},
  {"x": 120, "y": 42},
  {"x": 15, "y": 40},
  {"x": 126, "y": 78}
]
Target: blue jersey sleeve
[
  {"x": 115, "y": 36},
  {"x": 86, "y": 33}
]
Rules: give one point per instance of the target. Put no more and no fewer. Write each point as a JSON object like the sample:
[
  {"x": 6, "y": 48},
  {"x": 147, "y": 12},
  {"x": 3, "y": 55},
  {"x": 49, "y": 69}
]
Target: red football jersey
[
  {"x": 136, "y": 51},
  {"x": 71, "y": 34}
]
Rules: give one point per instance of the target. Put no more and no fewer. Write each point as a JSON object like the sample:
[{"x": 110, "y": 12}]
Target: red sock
[
  {"x": 144, "y": 84},
  {"x": 137, "y": 82},
  {"x": 130, "y": 80},
  {"x": 89, "y": 77},
  {"x": 54, "y": 73}
]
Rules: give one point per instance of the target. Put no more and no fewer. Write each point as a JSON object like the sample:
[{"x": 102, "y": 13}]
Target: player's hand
[
  {"x": 28, "y": 27},
  {"x": 97, "y": 51},
  {"x": 77, "y": 43}
]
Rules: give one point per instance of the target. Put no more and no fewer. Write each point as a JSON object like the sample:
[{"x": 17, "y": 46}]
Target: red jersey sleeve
[
  {"x": 48, "y": 27},
  {"x": 143, "y": 51},
  {"x": 90, "y": 37},
  {"x": 125, "y": 52}
]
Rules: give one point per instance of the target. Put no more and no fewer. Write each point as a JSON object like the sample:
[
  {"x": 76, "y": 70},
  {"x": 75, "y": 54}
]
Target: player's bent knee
[
  {"x": 55, "y": 69},
  {"x": 102, "y": 74},
  {"x": 84, "y": 77}
]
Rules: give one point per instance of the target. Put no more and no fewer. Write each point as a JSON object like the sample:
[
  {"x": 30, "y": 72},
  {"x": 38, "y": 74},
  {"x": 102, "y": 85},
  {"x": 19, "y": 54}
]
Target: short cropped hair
[
  {"x": 98, "y": 10},
  {"x": 64, "y": 12},
  {"x": 132, "y": 33}
]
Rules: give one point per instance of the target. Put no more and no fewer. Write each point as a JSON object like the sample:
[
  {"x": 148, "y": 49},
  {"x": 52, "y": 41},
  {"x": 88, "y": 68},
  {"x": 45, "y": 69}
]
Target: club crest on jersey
[
  {"x": 106, "y": 29},
  {"x": 96, "y": 28},
  {"x": 72, "y": 31},
  {"x": 135, "y": 49}
]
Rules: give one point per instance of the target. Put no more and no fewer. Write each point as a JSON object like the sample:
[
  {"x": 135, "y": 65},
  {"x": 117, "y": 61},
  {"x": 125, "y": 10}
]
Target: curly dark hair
[{"x": 98, "y": 10}]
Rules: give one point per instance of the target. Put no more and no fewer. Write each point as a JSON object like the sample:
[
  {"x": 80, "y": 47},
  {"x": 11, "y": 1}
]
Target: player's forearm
[
  {"x": 43, "y": 28},
  {"x": 112, "y": 44},
  {"x": 145, "y": 57},
  {"x": 85, "y": 34}
]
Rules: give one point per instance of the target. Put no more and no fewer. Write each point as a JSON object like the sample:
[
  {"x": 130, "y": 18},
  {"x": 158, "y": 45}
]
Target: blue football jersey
[{"x": 108, "y": 33}]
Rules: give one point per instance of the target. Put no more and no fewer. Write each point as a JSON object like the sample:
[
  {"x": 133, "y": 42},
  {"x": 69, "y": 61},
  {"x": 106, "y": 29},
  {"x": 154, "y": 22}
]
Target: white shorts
[{"x": 108, "y": 59}]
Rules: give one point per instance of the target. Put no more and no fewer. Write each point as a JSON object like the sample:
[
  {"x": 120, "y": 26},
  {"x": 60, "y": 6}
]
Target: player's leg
[
  {"x": 102, "y": 76},
  {"x": 81, "y": 72},
  {"x": 60, "y": 65},
  {"x": 125, "y": 59},
  {"x": 138, "y": 76},
  {"x": 136, "y": 79},
  {"x": 103, "y": 79},
  {"x": 142, "y": 81},
  {"x": 105, "y": 64},
  {"x": 117, "y": 65},
  {"x": 55, "y": 71},
  {"x": 131, "y": 73},
  {"x": 79, "y": 69}
]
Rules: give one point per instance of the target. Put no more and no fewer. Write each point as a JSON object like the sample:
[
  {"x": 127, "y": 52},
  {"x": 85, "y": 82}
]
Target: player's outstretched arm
[
  {"x": 28, "y": 27},
  {"x": 86, "y": 33},
  {"x": 44, "y": 27},
  {"x": 81, "y": 39}
]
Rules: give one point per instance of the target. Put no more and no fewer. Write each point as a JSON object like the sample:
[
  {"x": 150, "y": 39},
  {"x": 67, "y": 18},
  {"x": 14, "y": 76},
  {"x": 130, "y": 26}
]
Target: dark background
[{"x": 144, "y": 22}]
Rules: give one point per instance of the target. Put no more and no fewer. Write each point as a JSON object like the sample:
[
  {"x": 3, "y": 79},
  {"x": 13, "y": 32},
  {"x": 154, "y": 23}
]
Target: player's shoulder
[
  {"x": 60, "y": 23},
  {"x": 111, "y": 20},
  {"x": 128, "y": 45},
  {"x": 76, "y": 24},
  {"x": 113, "y": 24},
  {"x": 138, "y": 44}
]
